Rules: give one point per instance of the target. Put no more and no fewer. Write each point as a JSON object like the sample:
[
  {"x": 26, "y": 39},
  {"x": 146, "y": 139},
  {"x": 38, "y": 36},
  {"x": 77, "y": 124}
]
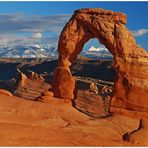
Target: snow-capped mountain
[
  {"x": 101, "y": 50},
  {"x": 45, "y": 51},
  {"x": 97, "y": 53},
  {"x": 29, "y": 51}
]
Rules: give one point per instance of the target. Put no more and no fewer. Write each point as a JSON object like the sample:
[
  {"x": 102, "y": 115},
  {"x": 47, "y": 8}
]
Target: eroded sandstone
[
  {"x": 5, "y": 92},
  {"x": 130, "y": 61},
  {"x": 30, "y": 86}
]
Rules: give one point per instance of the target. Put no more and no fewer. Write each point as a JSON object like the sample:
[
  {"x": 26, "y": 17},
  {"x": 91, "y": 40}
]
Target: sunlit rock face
[
  {"x": 5, "y": 92},
  {"x": 30, "y": 86},
  {"x": 130, "y": 61}
]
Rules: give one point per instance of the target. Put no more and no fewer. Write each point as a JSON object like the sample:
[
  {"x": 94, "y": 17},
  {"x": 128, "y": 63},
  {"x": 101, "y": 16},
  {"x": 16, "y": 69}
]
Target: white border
[{"x": 73, "y": 1}]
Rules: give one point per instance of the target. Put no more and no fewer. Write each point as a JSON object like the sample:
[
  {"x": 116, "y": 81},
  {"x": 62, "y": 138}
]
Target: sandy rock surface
[{"x": 56, "y": 123}]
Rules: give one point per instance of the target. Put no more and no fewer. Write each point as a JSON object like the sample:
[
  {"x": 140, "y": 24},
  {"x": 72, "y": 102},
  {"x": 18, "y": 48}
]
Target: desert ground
[
  {"x": 31, "y": 116},
  {"x": 56, "y": 123}
]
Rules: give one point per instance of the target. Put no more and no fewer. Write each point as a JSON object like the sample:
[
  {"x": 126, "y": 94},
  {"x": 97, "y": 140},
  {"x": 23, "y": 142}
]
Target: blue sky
[{"x": 41, "y": 22}]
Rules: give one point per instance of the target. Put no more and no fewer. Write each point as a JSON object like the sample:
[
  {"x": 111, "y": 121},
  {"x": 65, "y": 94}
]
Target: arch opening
[
  {"x": 94, "y": 74},
  {"x": 95, "y": 61},
  {"x": 94, "y": 50}
]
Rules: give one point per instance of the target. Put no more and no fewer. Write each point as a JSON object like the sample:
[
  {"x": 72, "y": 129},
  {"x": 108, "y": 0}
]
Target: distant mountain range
[
  {"x": 97, "y": 53},
  {"x": 37, "y": 51},
  {"x": 30, "y": 51}
]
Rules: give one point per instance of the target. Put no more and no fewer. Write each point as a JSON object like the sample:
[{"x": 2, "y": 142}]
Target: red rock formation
[
  {"x": 93, "y": 88},
  {"x": 5, "y": 92},
  {"x": 130, "y": 61},
  {"x": 48, "y": 93},
  {"x": 21, "y": 78},
  {"x": 31, "y": 87},
  {"x": 34, "y": 76}
]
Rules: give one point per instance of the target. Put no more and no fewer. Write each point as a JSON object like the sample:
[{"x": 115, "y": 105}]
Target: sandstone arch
[{"x": 130, "y": 61}]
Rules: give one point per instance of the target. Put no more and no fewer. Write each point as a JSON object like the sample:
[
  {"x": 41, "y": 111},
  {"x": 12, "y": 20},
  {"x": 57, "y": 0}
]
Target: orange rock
[
  {"x": 34, "y": 76},
  {"x": 30, "y": 87},
  {"x": 48, "y": 93},
  {"x": 93, "y": 88},
  {"x": 5, "y": 92},
  {"x": 46, "y": 98},
  {"x": 21, "y": 78},
  {"x": 63, "y": 83},
  {"x": 130, "y": 61}
]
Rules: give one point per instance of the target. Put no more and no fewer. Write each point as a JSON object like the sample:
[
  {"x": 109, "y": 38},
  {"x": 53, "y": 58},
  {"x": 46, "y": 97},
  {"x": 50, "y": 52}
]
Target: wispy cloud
[
  {"x": 36, "y": 38},
  {"x": 140, "y": 32},
  {"x": 20, "y": 28},
  {"x": 20, "y": 22}
]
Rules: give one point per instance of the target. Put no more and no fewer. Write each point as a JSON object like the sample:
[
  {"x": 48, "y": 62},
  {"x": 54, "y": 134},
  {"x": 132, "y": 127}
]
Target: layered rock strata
[{"x": 130, "y": 61}]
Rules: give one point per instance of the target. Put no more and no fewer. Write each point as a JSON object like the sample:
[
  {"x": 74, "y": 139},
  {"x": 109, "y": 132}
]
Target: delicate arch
[{"x": 130, "y": 61}]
